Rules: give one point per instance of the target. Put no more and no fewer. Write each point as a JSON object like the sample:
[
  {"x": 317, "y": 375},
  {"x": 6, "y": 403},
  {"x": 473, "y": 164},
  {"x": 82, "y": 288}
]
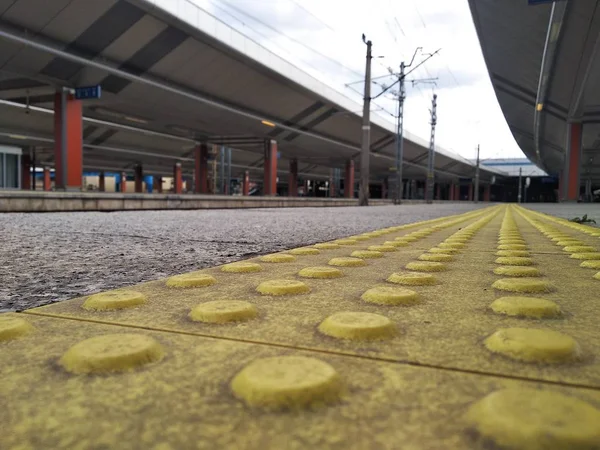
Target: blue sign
[{"x": 88, "y": 92}]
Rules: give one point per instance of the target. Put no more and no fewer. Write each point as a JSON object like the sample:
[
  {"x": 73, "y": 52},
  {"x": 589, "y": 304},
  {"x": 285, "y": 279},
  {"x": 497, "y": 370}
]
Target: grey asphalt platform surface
[
  {"x": 568, "y": 210},
  {"x": 46, "y": 258}
]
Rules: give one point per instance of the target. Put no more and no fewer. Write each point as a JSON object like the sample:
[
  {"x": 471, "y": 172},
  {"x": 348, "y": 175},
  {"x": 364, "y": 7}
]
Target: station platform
[
  {"x": 477, "y": 330},
  {"x": 41, "y": 201}
]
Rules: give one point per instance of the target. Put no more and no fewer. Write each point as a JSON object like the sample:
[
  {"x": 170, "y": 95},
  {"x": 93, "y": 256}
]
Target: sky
[{"x": 323, "y": 38}]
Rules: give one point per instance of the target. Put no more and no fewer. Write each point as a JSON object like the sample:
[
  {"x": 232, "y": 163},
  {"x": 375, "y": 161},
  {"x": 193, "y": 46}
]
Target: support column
[
  {"x": 487, "y": 193},
  {"x": 201, "y": 169},
  {"x": 123, "y": 183},
  {"x": 138, "y": 179},
  {"x": 26, "y": 172},
  {"x": 470, "y": 198},
  {"x": 68, "y": 155},
  {"x": 331, "y": 183},
  {"x": 246, "y": 183},
  {"x": 177, "y": 179},
  {"x": 102, "y": 182},
  {"x": 451, "y": 193},
  {"x": 384, "y": 188},
  {"x": 270, "y": 168},
  {"x": 572, "y": 169},
  {"x": 438, "y": 192},
  {"x": 293, "y": 179},
  {"x": 349, "y": 180},
  {"x": 159, "y": 184},
  {"x": 47, "y": 183}
]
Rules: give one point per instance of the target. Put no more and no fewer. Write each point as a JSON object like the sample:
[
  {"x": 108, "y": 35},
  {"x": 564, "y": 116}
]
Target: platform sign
[{"x": 88, "y": 92}]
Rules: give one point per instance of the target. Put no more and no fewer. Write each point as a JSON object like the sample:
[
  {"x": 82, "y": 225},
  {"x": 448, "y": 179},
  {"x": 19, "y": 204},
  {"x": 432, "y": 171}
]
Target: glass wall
[{"x": 10, "y": 167}]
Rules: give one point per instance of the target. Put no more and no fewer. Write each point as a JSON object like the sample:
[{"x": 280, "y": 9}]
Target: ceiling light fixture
[{"x": 267, "y": 123}]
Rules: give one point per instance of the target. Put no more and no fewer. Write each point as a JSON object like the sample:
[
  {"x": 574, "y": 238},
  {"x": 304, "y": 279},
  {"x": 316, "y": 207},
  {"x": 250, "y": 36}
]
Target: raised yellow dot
[
  {"x": 411, "y": 278},
  {"x": 278, "y": 258},
  {"x": 385, "y": 295},
  {"x": 533, "y": 345},
  {"x": 382, "y": 248},
  {"x": 514, "y": 261},
  {"x": 366, "y": 254},
  {"x": 426, "y": 266},
  {"x": 535, "y": 419},
  {"x": 112, "y": 353},
  {"x": 113, "y": 300},
  {"x": 241, "y": 267},
  {"x": 517, "y": 271},
  {"x": 522, "y": 285},
  {"x": 537, "y": 308},
  {"x": 420, "y": 234},
  {"x": 193, "y": 279},
  {"x": 304, "y": 251},
  {"x": 591, "y": 264},
  {"x": 347, "y": 262},
  {"x": 223, "y": 311},
  {"x": 567, "y": 243},
  {"x": 326, "y": 246},
  {"x": 396, "y": 243},
  {"x": 12, "y": 327},
  {"x": 406, "y": 239},
  {"x": 439, "y": 257},
  {"x": 453, "y": 245},
  {"x": 512, "y": 247},
  {"x": 360, "y": 237},
  {"x": 512, "y": 253},
  {"x": 511, "y": 241},
  {"x": 346, "y": 242},
  {"x": 287, "y": 382},
  {"x": 443, "y": 251},
  {"x": 589, "y": 256},
  {"x": 457, "y": 239},
  {"x": 320, "y": 272},
  {"x": 579, "y": 249},
  {"x": 357, "y": 326},
  {"x": 282, "y": 287}
]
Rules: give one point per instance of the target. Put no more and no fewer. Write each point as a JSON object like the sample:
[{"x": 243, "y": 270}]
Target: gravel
[{"x": 45, "y": 258}]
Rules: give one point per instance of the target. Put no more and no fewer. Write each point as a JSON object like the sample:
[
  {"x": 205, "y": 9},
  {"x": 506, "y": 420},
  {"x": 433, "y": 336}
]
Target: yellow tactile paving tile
[
  {"x": 81, "y": 385},
  {"x": 444, "y": 326}
]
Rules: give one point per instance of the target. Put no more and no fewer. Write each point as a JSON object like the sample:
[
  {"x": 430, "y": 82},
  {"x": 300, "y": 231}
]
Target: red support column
[
  {"x": 573, "y": 163},
  {"x": 47, "y": 183},
  {"x": 470, "y": 192},
  {"x": 201, "y": 169},
  {"x": 246, "y": 185},
  {"x": 138, "y": 179},
  {"x": 26, "y": 172},
  {"x": 349, "y": 180},
  {"x": 293, "y": 180},
  {"x": 487, "y": 193},
  {"x": 123, "y": 183},
  {"x": 177, "y": 179},
  {"x": 102, "y": 182},
  {"x": 270, "y": 168},
  {"x": 70, "y": 176}
]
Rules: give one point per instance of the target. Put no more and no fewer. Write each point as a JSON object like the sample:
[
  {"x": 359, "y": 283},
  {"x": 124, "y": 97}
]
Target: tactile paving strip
[{"x": 438, "y": 332}]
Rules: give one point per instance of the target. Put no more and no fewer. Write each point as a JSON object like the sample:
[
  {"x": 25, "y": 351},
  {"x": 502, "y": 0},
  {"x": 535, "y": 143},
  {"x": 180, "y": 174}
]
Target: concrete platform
[
  {"x": 36, "y": 201},
  {"x": 430, "y": 364}
]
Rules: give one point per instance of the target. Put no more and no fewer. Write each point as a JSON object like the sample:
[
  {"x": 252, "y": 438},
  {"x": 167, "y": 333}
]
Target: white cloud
[{"x": 323, "y": 37}]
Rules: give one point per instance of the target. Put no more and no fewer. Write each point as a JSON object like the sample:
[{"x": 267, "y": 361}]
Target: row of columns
[{"x": 69, "y": 162}]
